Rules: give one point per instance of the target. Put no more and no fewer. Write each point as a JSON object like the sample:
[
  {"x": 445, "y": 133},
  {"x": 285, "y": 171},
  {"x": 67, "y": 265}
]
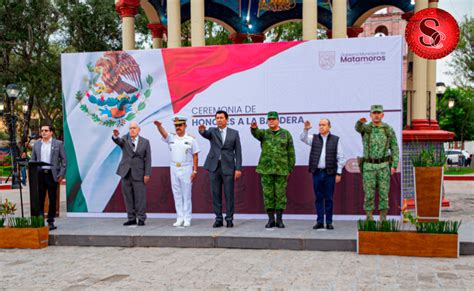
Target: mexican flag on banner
[{"x": 107, "y": 90}]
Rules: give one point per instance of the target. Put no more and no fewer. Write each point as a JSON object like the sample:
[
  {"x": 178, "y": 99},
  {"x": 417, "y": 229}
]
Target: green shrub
[
  {"x": 391, "y": 225},
  {"x": 438, "y": 227},
  {"x": 427, "y": 157},
  {"x": 26, "y": 222}
]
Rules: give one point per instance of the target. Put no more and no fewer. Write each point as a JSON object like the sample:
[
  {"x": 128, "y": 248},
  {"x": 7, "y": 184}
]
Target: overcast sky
[{"x": 457, "y": 8}]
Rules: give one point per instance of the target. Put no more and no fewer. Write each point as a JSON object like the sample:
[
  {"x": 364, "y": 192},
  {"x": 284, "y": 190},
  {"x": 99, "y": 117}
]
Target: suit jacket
[
  {"x": 138, "y": 162},
  {"x": 58, "y": 157},
  {"x": 229, "y": 151}
]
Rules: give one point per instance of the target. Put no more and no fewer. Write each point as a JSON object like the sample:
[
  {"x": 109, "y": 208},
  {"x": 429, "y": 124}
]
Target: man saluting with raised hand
[
  {"x": 135, "y": 171},
  {"x": 224, "y": 163},
  {"x": 183, "y": 167}
]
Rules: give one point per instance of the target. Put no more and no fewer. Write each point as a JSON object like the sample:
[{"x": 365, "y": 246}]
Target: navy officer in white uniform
[{"x": 183, "y": 167}]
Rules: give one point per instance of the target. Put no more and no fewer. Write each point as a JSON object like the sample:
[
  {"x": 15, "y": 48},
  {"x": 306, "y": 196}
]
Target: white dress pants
[{"x": 181, "y": 185}]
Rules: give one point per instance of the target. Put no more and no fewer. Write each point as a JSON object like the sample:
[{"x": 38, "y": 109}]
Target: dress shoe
[
  {"x": 230, "y": 223},
  {"x": 329, "y": 226},
  {"x": 178, "y": 223},
  {"x": 187, "y": 224},
  {"x": 141, "y": 223},
  {"x": 130, "y": 222},
  {"x": 51, "y": 226},
  {"x": 318, "y": 226},
  {"x": 218, "y": 223}
]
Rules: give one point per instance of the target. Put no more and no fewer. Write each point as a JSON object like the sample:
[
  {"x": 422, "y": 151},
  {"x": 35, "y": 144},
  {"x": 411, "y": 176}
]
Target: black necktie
[{"x": 133, "y": 144}]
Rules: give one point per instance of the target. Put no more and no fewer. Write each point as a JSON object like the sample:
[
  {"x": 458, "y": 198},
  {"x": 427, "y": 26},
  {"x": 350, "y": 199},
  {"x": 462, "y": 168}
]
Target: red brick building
[{"x": 387, "y": 22}]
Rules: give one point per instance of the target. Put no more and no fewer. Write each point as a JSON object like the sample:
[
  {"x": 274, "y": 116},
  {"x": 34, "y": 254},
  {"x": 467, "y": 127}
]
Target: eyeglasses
[
  {"x": 178, "y": 125},
  {"x": 44, "y": 130}
]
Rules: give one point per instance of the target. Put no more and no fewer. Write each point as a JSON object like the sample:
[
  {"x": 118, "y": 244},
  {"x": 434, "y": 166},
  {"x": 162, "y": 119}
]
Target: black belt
[
  {"x": 321, "y": 170},
  {"x": 378, "y": 161}
]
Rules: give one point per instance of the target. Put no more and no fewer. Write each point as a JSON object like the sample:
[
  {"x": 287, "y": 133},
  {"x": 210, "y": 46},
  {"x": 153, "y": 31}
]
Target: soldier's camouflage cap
[
  {"x": 376, "y": 108},
  {"x": 179, "y": 120},
  {"x": 272, "y": 114}
]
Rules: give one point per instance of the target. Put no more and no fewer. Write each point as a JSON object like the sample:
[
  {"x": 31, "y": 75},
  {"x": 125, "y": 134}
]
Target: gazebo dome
[{"x": 236, "y": 15}]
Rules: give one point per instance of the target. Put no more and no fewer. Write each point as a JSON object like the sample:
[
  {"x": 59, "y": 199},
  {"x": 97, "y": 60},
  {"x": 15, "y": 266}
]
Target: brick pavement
[{"x": 174, "y": 268}]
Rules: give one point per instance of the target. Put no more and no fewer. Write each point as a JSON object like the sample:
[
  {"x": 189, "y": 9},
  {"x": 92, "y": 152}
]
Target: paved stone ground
[
  {"x": 174, "y": 268},
  {"x": 461, "y": 196},
  {"x": 170, "y": 268}
]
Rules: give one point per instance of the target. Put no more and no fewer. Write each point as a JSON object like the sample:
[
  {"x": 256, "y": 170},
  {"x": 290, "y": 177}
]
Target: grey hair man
[{"x": 135, "y": 171}]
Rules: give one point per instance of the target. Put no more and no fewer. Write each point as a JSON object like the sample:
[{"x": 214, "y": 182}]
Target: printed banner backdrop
[{"x": 336, "y": 79}]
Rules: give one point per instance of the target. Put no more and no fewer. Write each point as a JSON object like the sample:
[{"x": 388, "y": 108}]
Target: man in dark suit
[
  {"x": 224, "y": 163},
  {"x": 50, "y": 151},
  {"x": 135, "y": 170}
]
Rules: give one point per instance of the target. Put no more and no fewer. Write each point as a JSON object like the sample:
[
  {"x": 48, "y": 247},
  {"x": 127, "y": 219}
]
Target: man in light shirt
[
  {"x": 183, "y": 167},
  {"x": 51, "y": 151},
  {"x": 325, "y": 163}
]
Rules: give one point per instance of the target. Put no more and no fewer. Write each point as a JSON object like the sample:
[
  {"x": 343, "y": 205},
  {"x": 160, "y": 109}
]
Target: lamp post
[
  {"x": 440, "y": 90},
  {"x": 12, "y": 92}
]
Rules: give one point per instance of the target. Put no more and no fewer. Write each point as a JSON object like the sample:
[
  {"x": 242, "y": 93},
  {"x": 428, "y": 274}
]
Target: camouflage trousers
[
  {"x": 274, "y": 191},
  {"x": 373, "y": 179}
]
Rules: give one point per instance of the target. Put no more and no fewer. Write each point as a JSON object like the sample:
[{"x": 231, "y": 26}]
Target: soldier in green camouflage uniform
[
  {"x": 380, "y": 159},
  {"x": 276, "y": 163}
]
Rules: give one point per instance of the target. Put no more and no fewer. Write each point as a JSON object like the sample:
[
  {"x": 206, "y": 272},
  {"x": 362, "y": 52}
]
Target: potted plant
[
  {"x": 428, "y": 181},
  {"x": 7, "y": 209},
  {"x": 429, "y": 239},
  {"x": 21, "y": 232}
]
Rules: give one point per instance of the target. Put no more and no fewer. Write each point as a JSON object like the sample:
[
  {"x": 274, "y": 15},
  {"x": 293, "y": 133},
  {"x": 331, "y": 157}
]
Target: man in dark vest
[{"x": 325, "y": 163}]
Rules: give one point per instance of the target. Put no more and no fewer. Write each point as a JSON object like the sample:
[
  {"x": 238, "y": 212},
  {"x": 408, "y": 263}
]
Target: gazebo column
[
  {"x": 157, "y": 32},
  {"x": 128, "y": 9},
  {"x": 431, "y": 76},
  {"x": 237, "y": 37},
  {"x": 173, "y": 9},
  {"x": 339, "y": 18},
  {"x": 197, "y": 23},
  {"x": 422, "y": 132},
  {"x": 354, "y": 31},
  {"x": 419, "y": 81},
  {"x": 257, "y": 37},
  {"x": 310, "y": 19}
]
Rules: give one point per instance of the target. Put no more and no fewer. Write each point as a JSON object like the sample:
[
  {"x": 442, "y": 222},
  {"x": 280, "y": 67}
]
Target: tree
[
  {"x": 460, "y": 118},
  {"x": 27, "y": 58},
  {"x": 90, "y": 25},
  {"x": 462, "y": 63},
  {"x": 290, "y": 31},
  {"x": 216, "y": 34}
]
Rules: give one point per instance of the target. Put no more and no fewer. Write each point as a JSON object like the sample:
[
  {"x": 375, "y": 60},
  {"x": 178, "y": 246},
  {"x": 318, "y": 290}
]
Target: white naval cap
[{"x": 179, "y": 120}]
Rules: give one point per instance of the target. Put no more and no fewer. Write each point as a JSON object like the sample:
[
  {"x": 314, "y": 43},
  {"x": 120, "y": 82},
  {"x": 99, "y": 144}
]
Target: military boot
[
  {"x": 383, "y": 215},
  {"x": 369, "y": 215},
  {"x": 279, "y": 222},
  {"x": 271, "y": 218}
]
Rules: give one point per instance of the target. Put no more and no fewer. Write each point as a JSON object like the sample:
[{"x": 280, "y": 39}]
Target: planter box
[
  {"x": 24, "y": 238},
  {"x": 428, "y": 194},
  {"x": 408, "y": 243}
]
